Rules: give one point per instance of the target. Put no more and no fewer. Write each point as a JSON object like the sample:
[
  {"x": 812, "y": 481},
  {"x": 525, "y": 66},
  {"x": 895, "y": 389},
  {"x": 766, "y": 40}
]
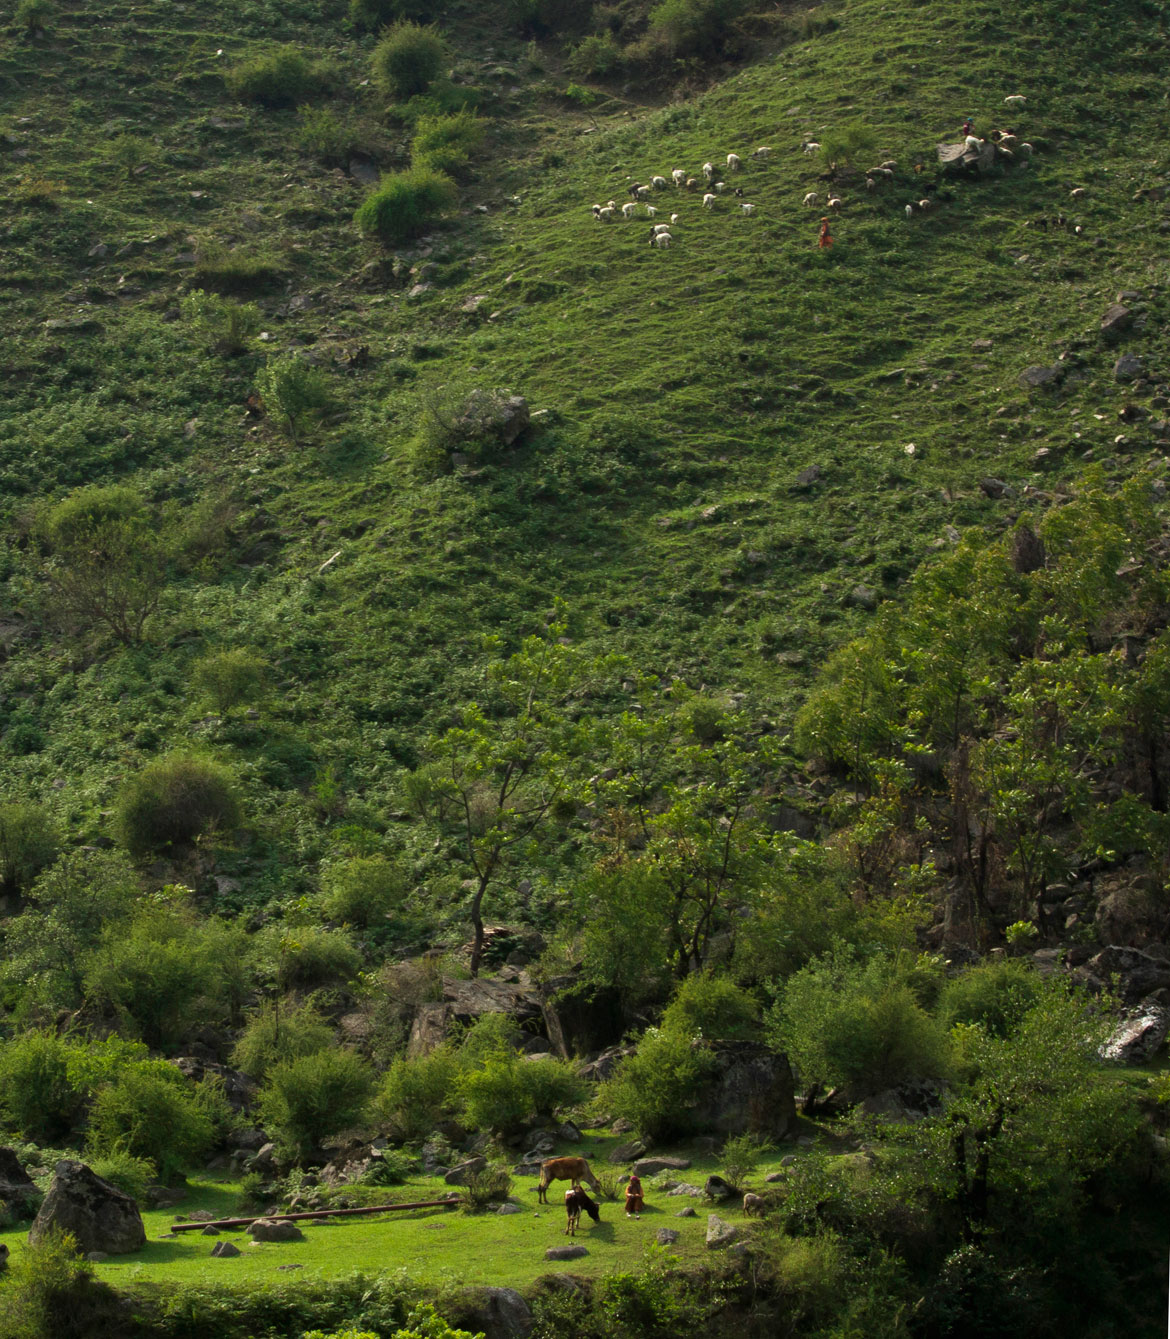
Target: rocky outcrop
[
  {"x": 652, "y": 1166},
  {"x": 719, "y": 1233},
  {"x": 17, "y": 1189},
  {"x": 751, "y": 1092},
  {"x": 465, "y": 1001},
  {"x": 461, "y": 1174},
  {"x": 497, "y": 1313},
  {"x": 98, "y": 1214},
  {"x": 1139, "y": 1037}
]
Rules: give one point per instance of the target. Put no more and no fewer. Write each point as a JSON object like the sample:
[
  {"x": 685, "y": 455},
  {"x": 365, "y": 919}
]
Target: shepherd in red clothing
[
  {"x": 634, "y": 1201},
  {"x": 824, "y": 239}
]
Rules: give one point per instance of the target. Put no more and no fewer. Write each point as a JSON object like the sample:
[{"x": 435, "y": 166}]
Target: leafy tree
[
  {"x": 229, "y": 678},
  {"x": 307, "y": 1099},
  {"x": 492, "y": 782},
  {"x": 293, "y": 391},
  {"x": 710, "y": 1006},
  {"x": 846, "y": 1022},
  {"x": 407, "y": 59},
  {"x": 28, "y": 842},
  {"x": 225, "y": 324},
  {"x": 502, "y": 1091},
  {"x": 104, "y": 561},
  {"x": 173, "y": 801},
  {"x": 38, "y": 1095},
  {"x": 656, "y": 1088},
  {"x": 280, "y": 1031},
  {"x": 151, "y": 1112}
]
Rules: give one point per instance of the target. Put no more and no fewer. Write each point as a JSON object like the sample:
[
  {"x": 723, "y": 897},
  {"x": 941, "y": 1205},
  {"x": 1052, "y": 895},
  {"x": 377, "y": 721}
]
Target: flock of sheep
[
  {"x": 640, "y": 195},
  {"x": 1007, "y": 145}
]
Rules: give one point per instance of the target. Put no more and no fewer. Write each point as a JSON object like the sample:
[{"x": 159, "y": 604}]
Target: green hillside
[{"x": 806, "y": 625}]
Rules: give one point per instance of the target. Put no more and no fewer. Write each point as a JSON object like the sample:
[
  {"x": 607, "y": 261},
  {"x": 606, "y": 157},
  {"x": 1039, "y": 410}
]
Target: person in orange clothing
[
  {"x": 635, "y": 1201},
  {"x": 824, "y": 239}
]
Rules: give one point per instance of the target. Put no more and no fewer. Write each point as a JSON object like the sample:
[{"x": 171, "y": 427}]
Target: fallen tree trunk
[{"x": 315, "y": 1213}]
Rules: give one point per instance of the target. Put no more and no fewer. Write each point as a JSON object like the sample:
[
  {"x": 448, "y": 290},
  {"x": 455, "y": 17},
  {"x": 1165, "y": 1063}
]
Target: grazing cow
[
  {"x": 576, "y": 1200},
  {"x": 574, "y": 1170}
]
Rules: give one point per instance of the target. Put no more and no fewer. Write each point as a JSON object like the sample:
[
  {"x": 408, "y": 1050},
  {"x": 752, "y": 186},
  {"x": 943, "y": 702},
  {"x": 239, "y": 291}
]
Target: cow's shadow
[{"x": 602, "y": 1231}]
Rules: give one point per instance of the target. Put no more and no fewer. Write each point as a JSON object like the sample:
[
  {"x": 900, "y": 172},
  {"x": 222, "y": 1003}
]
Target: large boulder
[
  {"x": 719, "y": 1233},
  {"x": 498, "y": 1313},
  {"x": 465, "y": 1001},
  {"x": 1138, "y": 1038},
  {"x": 275, "y": 1229},
  {"x": 17, "y": 1189},
  {"x": 652, "y": 1166},
  {"x": 99, "y": 1215},
  {"x": 751, "y": 1092},
  {"x": 461, "y": 1175},
  {"x": 581, "y": 1020}
]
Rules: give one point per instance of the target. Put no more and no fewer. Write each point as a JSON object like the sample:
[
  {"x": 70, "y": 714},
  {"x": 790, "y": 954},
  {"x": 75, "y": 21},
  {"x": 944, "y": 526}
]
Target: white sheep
[
  {"x": 659, "y": 183},
  {"x": 1015, "y": 100},
  {"x": 972, "y": 142},
  {"x": 909, "y": 211},
  {"x": 692, "y": 183},
  {"x": 659, "y": 228},
  {"x": 651, "y": 211},
  {"x": 1078, "y": 193},
  {"x": 644, "y": 192},
  {"x": 662, "y": 239},
  {"x": 747, "y": 209},
  {"x": 719, "y": 187},
  {"x": 628, "y": 211},
  {"x": 674, "y": 218},
  {"x": 762, "y": 152},
  {"x": 709, "y": 200},
  {"x": 889, "y": 165},
  {"x": 834, "y": 202},
  {"x": 870, "y": 184},
  {"x": 810, "y": 145},
  {"x": 925, "y": 205},
  {"x": 1025, "y": 149},
  {"x": 810, "y": 200},
  {"x": 709, "y": 171},
  {"x": 605, "y": 215},
  {"x": 678, "y": 176},
  {"x": 733, "y": 162}
]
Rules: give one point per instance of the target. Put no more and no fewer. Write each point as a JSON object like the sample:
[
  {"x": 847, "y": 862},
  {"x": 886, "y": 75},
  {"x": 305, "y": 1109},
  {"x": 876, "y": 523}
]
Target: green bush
[
  {"x": 313, "y": 1097},
  {"x": 330, "y": 137},
  {"x": 370, "y": 15},
  {"x": 281, "y": 78},
  {"x": 52, "y": 1294},
  {"x": 229, "y": 678},
  {"x": 597, "y": 56},
  {"x": 39, "y": 1096},
  {"x": 294, "y": 392},
  {"x": 280, "y": 1032},
  {"x": 151, "y": 1111},
  {"x": 446, "y": 143},
  {"x": 408, "y": 59},
  {"x": 711, "y": 1006},
  {"x": 843, "y": 1022},
  {"x": 695, "y": 27},
  {"x": 130, "y": 1174},
  {"x": 490, "y": 1185},
  {"x": 739, "y": 1158},
  {"x": 994, "y": 995},
  {"x": 417, "y": 1093},
  {"x": 173, "y": 801},
  {"x": 505, "y": 1092},
  {"x": 656, "y": 1087},
  {"x": 225, "y": 325},
  {"x": 28, "y": 843},
  {"x": 405, "y": 204},
  {"x": 224, "y": 270},
  {"x": 311, "y": 957},
  {"x": 364, "y": 889},
  {"x": 32, "y": 15}
]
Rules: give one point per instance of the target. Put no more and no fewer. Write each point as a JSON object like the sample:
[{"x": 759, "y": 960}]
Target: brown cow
[
  {"x": 576, "y": 1200},
  {"x": 574, "y": 1170}
]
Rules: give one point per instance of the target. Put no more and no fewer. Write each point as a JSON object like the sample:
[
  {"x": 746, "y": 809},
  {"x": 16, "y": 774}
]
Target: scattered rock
[
  {"x": 773, "y": 1177},
  {"x": 651, "y": 1166},
  {"x": 687, "y": 1211},
  {"x": 995, "y": 488},
  {"x": 565, "y": 1252},
  {"x": 97, "y": 1256},
  {"x": 666, "y": 1236},
  {"x": 509, "y": 1208},
  {"x": 1037, "y": 375},
  {"x": 1139, "y": 1037},
  {"x": 81, "y": 325},
  {"x": 1116, "y": 321},
  {"x": 98, "y": 1214},
  {"x": 808, "y": 476},
  {"x": 17, "y": 1188},
  {"x": 718, "y": 1189},
  {"x": 461, "y": 1173},
  {"x": 863, "y": 597},
  {"x": 1129, "y": 367},
  {"x": 719, "y": 1233},
  {"x": 684, "y": 1189},
  {"x": 982, "y": 345},
  {"x": 627, "y": 1152},
  {"x": 283, "y": 1268},
  {"x": 98, "y": 252},
  {"x": 278, "y": 1229},
  {"x": 222, "y": 1250},
  {"x": 209, "y": 1232},
  {"x": 905, "y": 1104},
  {"x": 364, "y": 171}
]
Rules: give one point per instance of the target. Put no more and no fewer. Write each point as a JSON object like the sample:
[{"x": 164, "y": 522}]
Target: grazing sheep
[
  {"x": 810, "y": 145},
  {"x": 810, "y": 200},
  {"x": 678, "y": 176},
  {"x": 634, "y": 189},
  {"x": 659, "y": 183},
  {"x": 834, "y": 202},
  {"x": 747, "y": 209},
  {"x": 611, "y": 204},
  {"x": 628, "y": 211},
  {"x": 659, "y": 227},
  {"x": 719, "y": 187},
  {"x": 762, "y": 152},
  {"x": 662, "y": 239},
  {"x": 737, "y": 191},
  {"x": 709, "y": 171},
  {"x": 973, "y": 142},
  {"x": 880, "y": 172},
  {"x": 1006, "y": 153},
  {"x": 605, "y": 215},
  {"x": 754, "y": 1205},
  {"x": 709, "y": 201},
  {"x": 889, "y": 165},
  {"x": 733, "y": 162},
  {"x": 644, "y": 192},
  {"x": 925, "y": 204},
  {"x": 1025, "y": 148},
  {"x": 1078, "y": 193},
  {"x": 692, "y": 183},
  {"x": 674, "y": 218},
  {"x": 870, "y": 184},
  {"x": 909, "y": 211},
  {"x": 1015, "y": 100},
  {"x": 651, "y": 211},
  {"x": 1006, "y": 140}
]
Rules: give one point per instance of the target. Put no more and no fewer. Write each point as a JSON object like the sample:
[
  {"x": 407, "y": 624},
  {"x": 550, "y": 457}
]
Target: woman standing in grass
[{"x": 634, "y": 1198}]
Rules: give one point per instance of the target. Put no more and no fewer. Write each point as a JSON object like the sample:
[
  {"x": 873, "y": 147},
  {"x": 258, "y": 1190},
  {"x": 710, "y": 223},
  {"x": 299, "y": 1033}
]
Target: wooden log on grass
[{"x": 447, "y": 1203}]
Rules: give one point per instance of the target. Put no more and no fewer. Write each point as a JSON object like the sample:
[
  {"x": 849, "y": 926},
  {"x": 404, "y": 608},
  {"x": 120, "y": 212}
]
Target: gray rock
[
  {"x": 284, "y": 1268},
  {"x": 223, "y": 1250},
  {"x": 498, "y": 1313},
  {"x": 773, "y": 1177},
  {"x": 1037, "y": 375},
  {"x": 687, "y": 1211},
  {"x": 17, "y": 1188},
  {"x": 275, "y": 1229},
  {"x": 684, "y": 1189},
  {"x": 808, "y": 476},
  {"x": 788, "y": 1160},
  {"x": 651, "y": 1166},
  {"x": 905, "y": 1104},
  {"x": 263, "y": 1160},
  {"x": 627, "y": 1152},
  {"x": 1128, "y": 367},
  {"x": 1139, "y": 1037},
  {"x": 718, "y": 1189},
  {"x": 565, "y": 1252},
  {"x": 863, "y": 597},
  {"x": 719, "y": 1233},
  {"x": 750, "y": 1092},
  {"x": 666, "y": 1236},
  {"x": 3, "y": 1256},
  {"x": 96, "y": 1256},
  {"x": 509, "y": 1208},
  {"x": 459, "y": 1174},
  {"x": 1116, "y": 321},
  {"x": 995, "y": 488},
  {"x": 209, "y": 1232},
  {"x": 82, "y": 325},
  {"x": 99, "y": 1215},
  {"x": 362, "y": 170}
]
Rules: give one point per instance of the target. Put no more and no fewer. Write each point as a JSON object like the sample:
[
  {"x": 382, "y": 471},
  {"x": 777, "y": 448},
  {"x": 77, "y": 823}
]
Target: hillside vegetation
[{"x": 409, "y": 576}]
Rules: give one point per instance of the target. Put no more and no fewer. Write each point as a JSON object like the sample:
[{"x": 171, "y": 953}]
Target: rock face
[
  {"x": 270, "y": 1229},
  {"x": 499, "y": 1313},
  {"x": 750, "y": 1093},
  {"x": 907, "y": 1103},
  {"x": 1140, "y": 971},
  {"x": 1140, "y": 1036},
  {"x": 719, "y": 1233},
  {"x": 1116, "y": 321},
  {"x": 492, "y": 413},
  {"x": 98, "y": 1214},
  {"x": 1128, "y": 367},
  {"x": 464, "y": 1002},
  {"x": 17, "y": 1190}
]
